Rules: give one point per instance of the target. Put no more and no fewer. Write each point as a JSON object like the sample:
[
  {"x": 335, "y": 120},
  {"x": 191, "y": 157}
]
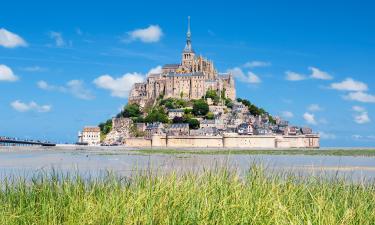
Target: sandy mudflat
[{"x": 126, "y": 161}]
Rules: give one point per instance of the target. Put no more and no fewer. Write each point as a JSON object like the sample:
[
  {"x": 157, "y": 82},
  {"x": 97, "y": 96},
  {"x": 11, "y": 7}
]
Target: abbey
[{"x": 189, "y": 79}]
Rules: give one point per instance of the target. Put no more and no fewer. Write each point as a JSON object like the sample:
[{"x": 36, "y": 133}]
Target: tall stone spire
[{"x": 188, "y": 47}]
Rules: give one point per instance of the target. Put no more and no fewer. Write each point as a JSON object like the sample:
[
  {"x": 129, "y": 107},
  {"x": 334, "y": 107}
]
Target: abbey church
[{"x": 189, "y": 79}]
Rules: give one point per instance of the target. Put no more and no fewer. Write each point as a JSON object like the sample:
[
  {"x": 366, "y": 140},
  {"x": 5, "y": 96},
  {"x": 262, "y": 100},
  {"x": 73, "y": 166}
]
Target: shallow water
[{"x": 22, "y": 161}]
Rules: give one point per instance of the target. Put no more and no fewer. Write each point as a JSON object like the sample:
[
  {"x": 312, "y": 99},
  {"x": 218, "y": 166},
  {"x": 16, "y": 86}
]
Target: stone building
[
  {"x": 178, "y": 129},
  {"x": 189, "y": 79},
  {"x": 154, "y": 128},
  {"x": 89, "y": 136},
  {"x": 172, "y": 113}
]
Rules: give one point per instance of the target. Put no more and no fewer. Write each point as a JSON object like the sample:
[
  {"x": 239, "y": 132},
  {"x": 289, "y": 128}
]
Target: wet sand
[{"x": 95, "y": 161}]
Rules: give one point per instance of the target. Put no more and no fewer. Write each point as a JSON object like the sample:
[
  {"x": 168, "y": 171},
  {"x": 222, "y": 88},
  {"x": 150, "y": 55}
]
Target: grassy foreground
[
  {"x": 333, "y": 152},
  {"x": 211, "y": 197}
]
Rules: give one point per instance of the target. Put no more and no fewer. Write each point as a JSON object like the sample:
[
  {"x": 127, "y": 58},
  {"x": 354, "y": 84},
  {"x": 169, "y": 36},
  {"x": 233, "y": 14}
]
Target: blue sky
[{"x": 70, "y": 64}]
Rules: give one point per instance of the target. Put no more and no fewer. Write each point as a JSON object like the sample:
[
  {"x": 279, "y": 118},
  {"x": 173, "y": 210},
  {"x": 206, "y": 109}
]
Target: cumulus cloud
[
  {"x": 153, "y": 33},
  {"x": 362, "y": 115},
  {"x": 6, "y": 74},
  {"x": 318, "y": 74},
  {"x": 11, "y": 40},
  {"x": 327, "y": 136},
  {"x": 315, "y": 74},
  {"x": 360, "y": 97},
  {"x": 287, "y": 114},
  {"x": 362, "y": 118},
  {"x": 157, "y": 69},
  {"x": 119, "y": 87},
  {"x": 314, "y": 108},
  {"x": 73, "y": 87},
  {"x": 292, "y": 76},
  {"x": 349, "y": 85},
  {"x": 250, "y": 77},
  {"x": 58, "y": 38},
  {"x": 31, "y": 106},
  {"x": 309, "y": 118},
  {"x": 254, "y": 64}
]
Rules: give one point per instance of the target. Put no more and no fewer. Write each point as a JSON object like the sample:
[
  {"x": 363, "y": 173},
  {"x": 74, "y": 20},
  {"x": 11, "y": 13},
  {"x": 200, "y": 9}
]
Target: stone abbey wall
[{"x": 227, "y": 141}]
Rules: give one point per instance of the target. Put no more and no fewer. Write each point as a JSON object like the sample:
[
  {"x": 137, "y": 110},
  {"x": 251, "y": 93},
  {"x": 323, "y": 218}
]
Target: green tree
[
  {"x": 228, "y": 103},
  {"x": 210, "y": 116},
  {"x": 188, "y": 111},
  {"x": 213, "y": 95},
  {"x": 200, "y": 107},
  {"x": 172, "y": 103},
  {"x": 193, "y": 124},
  {"x": 106, "y": 127},
  {"x": 139, "y": 119},
  {"x": 180, "y": 103},
  {"x": 271, "y": 119},
  {"x": 131, "y": 110},
  {"x": 157, "y": 115}
]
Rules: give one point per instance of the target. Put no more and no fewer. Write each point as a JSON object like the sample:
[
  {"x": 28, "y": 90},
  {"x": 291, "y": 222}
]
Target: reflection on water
[{"x": 96, "y": 162}]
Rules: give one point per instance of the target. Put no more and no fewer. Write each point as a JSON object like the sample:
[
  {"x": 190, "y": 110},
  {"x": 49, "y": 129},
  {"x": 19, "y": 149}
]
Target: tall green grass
[{"x": 210, "y": 197}]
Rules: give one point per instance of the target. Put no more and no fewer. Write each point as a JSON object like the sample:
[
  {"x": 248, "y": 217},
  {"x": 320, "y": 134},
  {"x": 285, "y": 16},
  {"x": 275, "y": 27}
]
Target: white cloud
[
  {"x": 6, "y": 74},
  {"x": 360, "y": 97},
  {"x": 251, "y": 77},
  {"x": 153, "y": 33},
  {"x": 45, "y": 86},
  {"x": 31, "y": 106},
  {"x": 292, "y": 76},
  {"x": 358, "y": 108},
  {"x": 318, "y": 74},
  {"x": 349, "y": 85},
  {"x": 76, "y": 87},
  {"x": 254, "y": 64},
  {"x": 309, "y": 118},
  {"x": 362, "y": 118},
  {"x": 362, "y": 115},
  {"x": 155, "y": 70},
  {"x": 287, "y": 114},
  {"x": 59, "y": 40},
  {"x": 327, "y": 136},
  {"x": 73, "y": 87},
  {"x": 120, "y": 86},
  {"x": 34, "y": 69},
  {"x": 314, "y": 108},
  {"x": 315, "y": 74},
  {"x": 10, "y": 40}
]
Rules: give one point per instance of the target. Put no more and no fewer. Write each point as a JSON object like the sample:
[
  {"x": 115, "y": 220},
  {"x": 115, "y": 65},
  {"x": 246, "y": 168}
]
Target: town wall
[
  {"x": 226, "y": 141},
  {"x": 194, "y": 141},
  {"x": 137, "y": 142},
  {"x": 248, "y": 141}
]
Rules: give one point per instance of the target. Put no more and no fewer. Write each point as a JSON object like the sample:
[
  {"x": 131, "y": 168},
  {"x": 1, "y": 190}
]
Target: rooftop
[
  {"x": 91, "y": 129},
  {"x": 179, "y": 125}
]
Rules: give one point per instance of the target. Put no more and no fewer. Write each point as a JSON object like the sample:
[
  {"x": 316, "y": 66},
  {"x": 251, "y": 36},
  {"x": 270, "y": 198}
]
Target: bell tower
[{"x": 188, "y": 53}]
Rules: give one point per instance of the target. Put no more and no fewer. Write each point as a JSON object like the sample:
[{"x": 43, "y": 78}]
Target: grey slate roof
[
  {"x": 179, "y": 125},
  {"x": 171, "y": 66},
  {"x": 185, "y": 74},
  {"x": 176, "y": 110}
]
